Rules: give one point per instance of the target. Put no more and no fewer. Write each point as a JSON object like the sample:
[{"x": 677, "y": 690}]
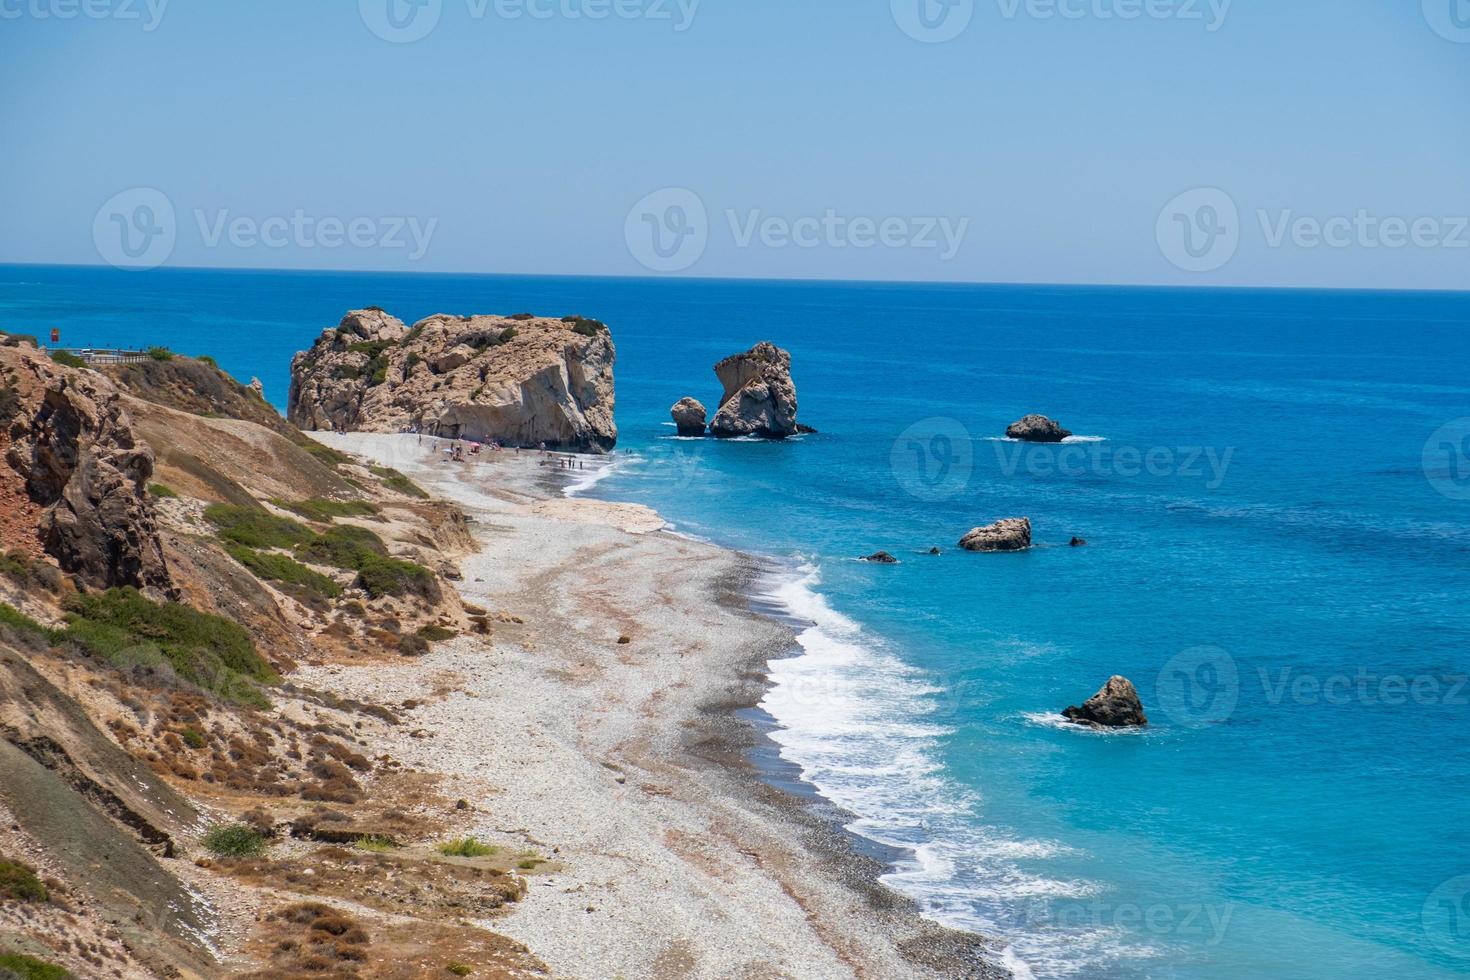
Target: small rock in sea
[
  {"x": 881, "y": 558},
  {"x": 1078, "y": 542},
  {"x": 1036, "y": 428},
  {"x": 935, "y": 551},
  {"x": 689, "y": 416},
  {"x": 1115, "y": 706},
  {"x": 1011, "y": 534}
]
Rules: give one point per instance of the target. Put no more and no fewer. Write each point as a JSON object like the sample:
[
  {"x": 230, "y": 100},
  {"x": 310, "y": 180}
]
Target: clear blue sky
[{"x": 529, "y": 140}]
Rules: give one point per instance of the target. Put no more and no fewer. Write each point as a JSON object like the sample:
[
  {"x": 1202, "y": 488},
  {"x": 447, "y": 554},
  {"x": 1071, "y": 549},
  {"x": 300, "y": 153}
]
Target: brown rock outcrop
[
  {"x": 1011, "y": 534},
  {"x": 71, "y": 450},
  {"x": 518, "y": 381},
  {"x": 689, "y": 417},
  {"x": 1037, "y": 428},
  {"x": 760, "y": 397},
  {"x": 1116, "y": 705}
]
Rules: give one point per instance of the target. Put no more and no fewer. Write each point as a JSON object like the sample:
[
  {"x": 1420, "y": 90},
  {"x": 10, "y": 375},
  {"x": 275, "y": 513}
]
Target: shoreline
[{"x": 729, "y": 820}]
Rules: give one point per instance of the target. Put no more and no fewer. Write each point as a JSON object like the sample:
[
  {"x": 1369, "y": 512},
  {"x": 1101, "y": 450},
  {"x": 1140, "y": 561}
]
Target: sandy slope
[{"x": 622, "y": 761}]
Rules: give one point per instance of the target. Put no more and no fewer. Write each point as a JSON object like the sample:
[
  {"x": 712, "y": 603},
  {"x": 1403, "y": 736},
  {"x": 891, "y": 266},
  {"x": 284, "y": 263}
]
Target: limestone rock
[
  {"x": 1037, "y": 428},
  {"x": 522, "y": 381},
  {"x": 1011, "y": 534},
  {"x": 760, "y": 397},
  {"x": 881, "y": 558},
  {"x": 1116, "y": 705},
  {"x": 256, "y": 386},
  {"x": 82, "y": 473},
  {"x": 689, "y": 416}
]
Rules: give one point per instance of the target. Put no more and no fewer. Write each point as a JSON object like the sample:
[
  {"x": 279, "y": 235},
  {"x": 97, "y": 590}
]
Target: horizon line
[{"x": 793, "y": 280}]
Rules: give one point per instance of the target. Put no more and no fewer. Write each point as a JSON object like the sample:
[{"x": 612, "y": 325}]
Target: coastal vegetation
[
  {"x": 26, "y": 967},
  {"x": 235, "y": 840},
  {"x": 467, "y": 847},
  {"x": 18, "y": 882}
]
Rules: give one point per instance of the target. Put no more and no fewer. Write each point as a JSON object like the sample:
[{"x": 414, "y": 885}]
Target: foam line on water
[{"x": 864, "y": 729}]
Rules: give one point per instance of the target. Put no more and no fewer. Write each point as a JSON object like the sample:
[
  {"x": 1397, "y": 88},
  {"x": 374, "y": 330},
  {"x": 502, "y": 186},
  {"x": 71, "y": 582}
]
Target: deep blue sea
[{"x": 1275, "y": 492}]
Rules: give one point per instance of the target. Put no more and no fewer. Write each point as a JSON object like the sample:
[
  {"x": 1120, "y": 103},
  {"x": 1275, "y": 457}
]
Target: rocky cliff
[
  {"x": 75, "y": 483},
  {"x": 520, "y": 381},
  {"x": 760, "y": 397}
]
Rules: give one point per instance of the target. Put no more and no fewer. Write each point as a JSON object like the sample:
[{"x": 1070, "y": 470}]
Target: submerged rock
[
  {"x": 1079, "y": 542},
  {"x": 760, "y": 397},
  {"x": 935, "y": 551},
  {"x": 520, "y": 381},
  {"x": 1011, "y": 534},
  {"x": 1037, "y": 428},
  {"x": 689, "y": 416},
  {"x": 1116, "y": 705},
  {"x": 881, "y": 558}
]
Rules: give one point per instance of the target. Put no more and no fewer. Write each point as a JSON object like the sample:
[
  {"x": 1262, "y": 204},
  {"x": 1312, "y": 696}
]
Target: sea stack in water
[
  {"x": 520, "y": 380},
  {"x": 759, "y": 398},
  {"x": 689, "y": 416},
  {"x": 1011, "y": 534},
  {"x": 1115, "y": 706},
  {"x": 1037, "y": 428},
  {"x": 881, "y": 558}
]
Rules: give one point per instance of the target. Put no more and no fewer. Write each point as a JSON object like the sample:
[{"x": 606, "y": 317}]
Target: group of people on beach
[{"x": 456, "y": 451}]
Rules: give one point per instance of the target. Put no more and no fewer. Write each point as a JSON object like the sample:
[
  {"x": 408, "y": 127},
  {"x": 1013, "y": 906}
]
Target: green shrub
[
  {"x": 253, "y": 527},
  {"x": 521, "y": 316},
  {"x": 460, "y": 969},
  {"x": 17, "y": 339},
  {"x": 414, "y": 360},
  {"x": 343, "y": 546},
  {"x": 324, "y": 453},
  {"x": 18, "y": 883},
  {"x": 67, "y": 359},
  {"x": 324, "y": 511},
  {"x": 206, "y": 359},
  {"x": 123, "y": 628},
  {"x": 160, "y": 353},
  {"x": 467, "y": 847},
  {"x": 15, "y": 619},
  {"x": 437, "y": 634},
  {"x": 193, "y": 738},
  {"x": 29, "y": 968},
  {"x": 279, "y": 568},
  {"x": 393, "y": 576},
  {"x": 162, "y": 491},
  {"x": 375, "y": 843},
  {"x": 235, "y": 840},
  {"x": 397, "y": 482},
  {"x": 585, "y": 326}
]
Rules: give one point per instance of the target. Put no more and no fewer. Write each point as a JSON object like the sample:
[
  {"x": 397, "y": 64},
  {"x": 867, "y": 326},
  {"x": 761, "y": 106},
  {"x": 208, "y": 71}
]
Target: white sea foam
[
  {"x": 864, "y": 728},
  {"x": 597, "y": 470}
]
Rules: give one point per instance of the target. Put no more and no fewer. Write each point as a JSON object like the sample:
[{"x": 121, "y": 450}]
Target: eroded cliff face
[
  {"x": 515, "y": 380},
  {"x": 760, "y": 397},
  {"x": 77, "y": 481}
]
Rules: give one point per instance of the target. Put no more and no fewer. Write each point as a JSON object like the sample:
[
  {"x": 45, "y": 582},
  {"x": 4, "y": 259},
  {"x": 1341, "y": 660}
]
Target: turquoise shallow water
[{"x": 1275, "y": 488}]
